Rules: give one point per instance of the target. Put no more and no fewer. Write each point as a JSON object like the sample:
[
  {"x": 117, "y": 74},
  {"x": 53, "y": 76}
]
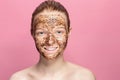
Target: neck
[{"x": 51, "y": 66}]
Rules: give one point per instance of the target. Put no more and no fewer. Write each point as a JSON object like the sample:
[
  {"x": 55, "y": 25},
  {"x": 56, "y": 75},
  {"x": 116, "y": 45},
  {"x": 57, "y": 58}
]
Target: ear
[
  {"x": 69, "y": 33},
  {"x": 33, "y": 36}
]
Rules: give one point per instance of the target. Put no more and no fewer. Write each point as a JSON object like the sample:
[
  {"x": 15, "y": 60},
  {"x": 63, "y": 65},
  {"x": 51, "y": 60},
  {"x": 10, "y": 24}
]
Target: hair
[{"x": 53, "y": 6}]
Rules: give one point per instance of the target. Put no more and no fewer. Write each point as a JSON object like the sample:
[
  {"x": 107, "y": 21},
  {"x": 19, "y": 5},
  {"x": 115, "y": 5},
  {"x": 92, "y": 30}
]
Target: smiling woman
[{"x": 50, "y": 29}]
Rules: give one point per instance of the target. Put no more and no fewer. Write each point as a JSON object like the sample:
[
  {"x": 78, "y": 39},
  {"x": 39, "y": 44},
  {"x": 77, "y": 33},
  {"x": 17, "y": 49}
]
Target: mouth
[{"x": 50, "y": 49}]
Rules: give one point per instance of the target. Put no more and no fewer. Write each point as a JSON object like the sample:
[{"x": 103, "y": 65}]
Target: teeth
[{"x": 50, "y": 48}]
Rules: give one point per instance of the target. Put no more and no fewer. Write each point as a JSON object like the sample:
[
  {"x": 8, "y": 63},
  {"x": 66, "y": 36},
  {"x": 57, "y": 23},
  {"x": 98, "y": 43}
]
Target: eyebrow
[
  {"x": 38, "y": 28},
  {"x": 59, "y": 27}
]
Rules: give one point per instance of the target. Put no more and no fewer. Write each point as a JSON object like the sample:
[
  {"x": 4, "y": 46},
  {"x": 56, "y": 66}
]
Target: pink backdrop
[{"x": 94, "y": 41}]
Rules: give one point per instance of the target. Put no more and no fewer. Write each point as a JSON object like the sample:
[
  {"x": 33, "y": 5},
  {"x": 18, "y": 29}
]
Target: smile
[{"x": 50, "y": 49}]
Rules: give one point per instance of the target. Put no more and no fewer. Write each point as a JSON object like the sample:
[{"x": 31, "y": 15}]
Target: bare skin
[{"x": 51, "y": 36}]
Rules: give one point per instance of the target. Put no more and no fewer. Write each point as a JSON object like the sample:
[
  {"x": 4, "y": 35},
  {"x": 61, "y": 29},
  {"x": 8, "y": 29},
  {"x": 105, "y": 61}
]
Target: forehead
[
  {"x": 49, "y": 13},
  {"x": 51, "y": 17}
]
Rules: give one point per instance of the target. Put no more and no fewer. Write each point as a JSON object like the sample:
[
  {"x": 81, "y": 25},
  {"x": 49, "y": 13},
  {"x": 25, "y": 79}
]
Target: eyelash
[
  {"x": 59, "y": 32},
  {"x": 41, "y": 33}
]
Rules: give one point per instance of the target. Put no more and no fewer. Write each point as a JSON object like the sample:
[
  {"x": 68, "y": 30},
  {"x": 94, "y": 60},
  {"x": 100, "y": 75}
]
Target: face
[{"x": 51, "y": 33}]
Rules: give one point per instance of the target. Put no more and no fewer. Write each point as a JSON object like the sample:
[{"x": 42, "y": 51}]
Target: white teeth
[{"x": 50, "y": 48}]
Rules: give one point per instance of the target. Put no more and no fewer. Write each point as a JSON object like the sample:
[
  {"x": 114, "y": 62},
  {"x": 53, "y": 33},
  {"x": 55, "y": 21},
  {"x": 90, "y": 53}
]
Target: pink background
[{"x": 94, "y": 42}]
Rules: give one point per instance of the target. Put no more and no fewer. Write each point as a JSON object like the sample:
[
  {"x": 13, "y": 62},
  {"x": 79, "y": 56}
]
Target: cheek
[
  {"x": 61, "y": 40},
  {"x": 40, "y": 41}
]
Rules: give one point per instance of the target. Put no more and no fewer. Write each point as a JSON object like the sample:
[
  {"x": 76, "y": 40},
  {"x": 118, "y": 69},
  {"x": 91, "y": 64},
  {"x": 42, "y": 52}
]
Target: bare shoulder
[
  {"x": 18, "y": 76},
  {"x": 21, "y": 75},
  {"x": 82, "y": 73}
]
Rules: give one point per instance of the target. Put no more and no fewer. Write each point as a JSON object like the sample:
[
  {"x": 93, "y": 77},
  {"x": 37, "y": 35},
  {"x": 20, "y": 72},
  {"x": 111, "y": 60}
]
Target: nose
[{"x": 50, "y": 39}]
